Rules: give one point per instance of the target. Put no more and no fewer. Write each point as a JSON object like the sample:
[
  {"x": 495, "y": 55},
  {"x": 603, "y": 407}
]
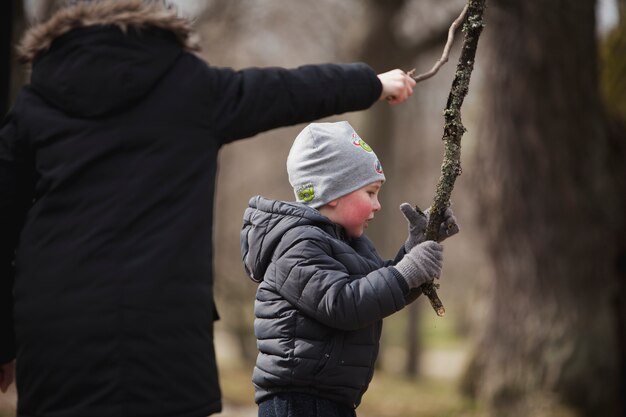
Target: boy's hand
[
  {"x": 397, "y": 86},
  {"x": 7, "y": 372},
  {"x": 448, "y": 226},
  {"x": 422, "y": 264},
  {"x": 418, "y": 221}
]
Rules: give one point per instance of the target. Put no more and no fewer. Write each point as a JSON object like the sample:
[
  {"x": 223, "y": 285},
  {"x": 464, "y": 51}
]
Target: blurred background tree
[
  {"x": 534, "y": 285},
  {"x": 613, "y": 86},
  {"x": 550, "y": 216}
]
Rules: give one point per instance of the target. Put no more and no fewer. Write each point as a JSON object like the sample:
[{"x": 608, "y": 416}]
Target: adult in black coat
[{"x": 107, "y": 171}]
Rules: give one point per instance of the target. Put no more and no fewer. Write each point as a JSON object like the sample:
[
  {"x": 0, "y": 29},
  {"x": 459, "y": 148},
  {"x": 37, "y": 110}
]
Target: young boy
[{"x": 323, "y": 288}]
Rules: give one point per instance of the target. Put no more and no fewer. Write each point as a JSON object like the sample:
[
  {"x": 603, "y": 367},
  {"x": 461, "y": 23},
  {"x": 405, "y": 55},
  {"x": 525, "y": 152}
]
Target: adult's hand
[{"x": 397, "y": 86}]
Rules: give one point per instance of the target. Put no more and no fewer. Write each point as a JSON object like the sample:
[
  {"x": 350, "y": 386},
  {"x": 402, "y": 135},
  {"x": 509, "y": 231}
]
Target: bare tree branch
[
  {"x": 452, "y": 132},
  {"x": 446, "y": 49}
]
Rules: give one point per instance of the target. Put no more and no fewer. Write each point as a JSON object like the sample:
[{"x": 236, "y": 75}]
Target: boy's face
[{"x": 353, "y": 211}]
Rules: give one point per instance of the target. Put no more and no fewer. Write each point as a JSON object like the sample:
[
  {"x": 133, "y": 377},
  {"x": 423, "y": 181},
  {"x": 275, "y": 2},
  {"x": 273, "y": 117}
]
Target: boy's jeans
[{"x": 302, "y": 405}]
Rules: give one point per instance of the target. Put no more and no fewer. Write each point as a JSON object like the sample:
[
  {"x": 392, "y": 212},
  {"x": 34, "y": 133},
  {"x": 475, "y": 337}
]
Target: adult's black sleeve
[{"x": 250, "y": 101}]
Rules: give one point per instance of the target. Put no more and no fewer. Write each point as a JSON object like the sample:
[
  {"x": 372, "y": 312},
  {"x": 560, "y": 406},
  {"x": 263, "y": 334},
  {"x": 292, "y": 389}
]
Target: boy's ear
[{"x": 332, "y": 203}]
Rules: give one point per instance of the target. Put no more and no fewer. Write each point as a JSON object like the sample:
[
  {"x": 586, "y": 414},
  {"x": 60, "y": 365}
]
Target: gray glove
[
  {"x": 422, "y": 264},
  {"x": 418, "y": 220}
]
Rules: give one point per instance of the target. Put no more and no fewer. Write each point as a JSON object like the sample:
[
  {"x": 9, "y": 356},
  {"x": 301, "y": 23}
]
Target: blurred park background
[{"x": 535, "y": 284}]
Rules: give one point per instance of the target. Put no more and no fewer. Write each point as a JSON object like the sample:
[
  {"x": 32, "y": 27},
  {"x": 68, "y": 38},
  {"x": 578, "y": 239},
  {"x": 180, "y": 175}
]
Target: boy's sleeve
[
  {"x": 319, "y": 285},
  {"x": 410, "y": 295},
  {"x": 15, "y": 196},
  {"x": 254, "y": 100}
]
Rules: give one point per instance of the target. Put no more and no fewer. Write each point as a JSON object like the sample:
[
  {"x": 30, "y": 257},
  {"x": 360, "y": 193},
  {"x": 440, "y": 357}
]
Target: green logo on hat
[
  {"x": 357, "y": 141},
  {"x": 306, "y": 193}
]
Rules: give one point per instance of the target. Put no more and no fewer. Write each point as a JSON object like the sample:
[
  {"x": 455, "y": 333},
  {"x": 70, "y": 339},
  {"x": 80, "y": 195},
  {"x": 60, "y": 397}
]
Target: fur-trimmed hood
[
  {"x": 98, "y": 57},
  {"x": 121, "y": 13}
]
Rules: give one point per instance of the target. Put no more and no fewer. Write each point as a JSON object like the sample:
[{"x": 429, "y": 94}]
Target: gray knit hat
[{"x": 328, "y": 161}]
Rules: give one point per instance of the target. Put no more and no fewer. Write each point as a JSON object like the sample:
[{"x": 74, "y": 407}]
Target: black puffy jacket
[
  {"x": 107, "y": 171},
  {"x": 320, "y": 302}
]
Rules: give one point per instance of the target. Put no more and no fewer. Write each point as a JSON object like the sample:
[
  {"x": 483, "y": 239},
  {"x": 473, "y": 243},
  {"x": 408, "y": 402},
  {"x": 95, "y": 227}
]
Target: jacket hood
[
  {"x": 94, "y": 57},
  {"x": 264, "y": 224},
  {"x": 123, "y": 14}
]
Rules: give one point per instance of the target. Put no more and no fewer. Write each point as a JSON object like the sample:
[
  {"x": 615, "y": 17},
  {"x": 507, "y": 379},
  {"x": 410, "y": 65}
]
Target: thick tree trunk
[
  {"x": 383, "y": 52},
  {"x": 613, "y": 65},
  {"x": 621, "y": 7},
  {"x": 549, "y": 344},
  {"x": 413, "y": 347}
]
